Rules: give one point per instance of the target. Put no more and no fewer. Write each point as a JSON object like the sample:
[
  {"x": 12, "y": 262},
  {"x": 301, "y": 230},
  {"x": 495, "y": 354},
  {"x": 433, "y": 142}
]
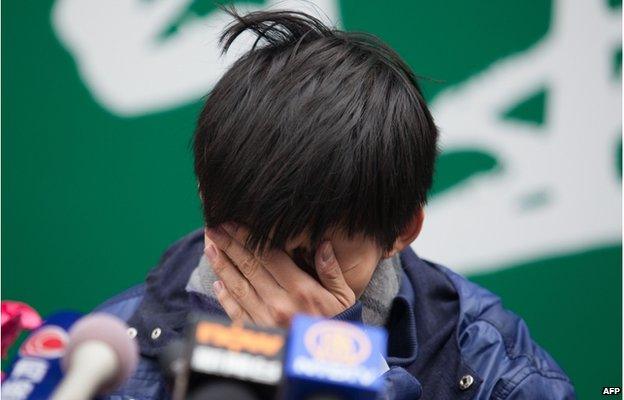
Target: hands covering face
[{"x": 269, "y": 288}]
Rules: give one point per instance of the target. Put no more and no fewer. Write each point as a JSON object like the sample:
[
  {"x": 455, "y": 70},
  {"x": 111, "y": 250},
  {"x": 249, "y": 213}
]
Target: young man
[{"x": 314, "y": 154}]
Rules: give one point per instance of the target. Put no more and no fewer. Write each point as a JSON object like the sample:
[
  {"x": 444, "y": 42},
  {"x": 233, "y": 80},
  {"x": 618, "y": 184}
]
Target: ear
[{"x": 409, "y": 234}]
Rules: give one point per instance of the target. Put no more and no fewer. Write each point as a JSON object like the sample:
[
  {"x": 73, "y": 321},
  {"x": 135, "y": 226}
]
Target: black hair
[{"x": 313, "y": 128}]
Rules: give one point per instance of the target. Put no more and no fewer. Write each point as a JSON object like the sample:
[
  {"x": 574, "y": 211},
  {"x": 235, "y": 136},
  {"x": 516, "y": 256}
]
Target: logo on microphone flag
[
  {"x": 48, "y": 342},
  {"x": 36, "y": 370},
  {"x": 338, "y": 342},
  {"x": 341, "y": 356}
]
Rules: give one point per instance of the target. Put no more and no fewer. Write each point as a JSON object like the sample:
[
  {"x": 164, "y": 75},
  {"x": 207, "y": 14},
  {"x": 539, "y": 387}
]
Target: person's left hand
[{"x": 269, "y": 289}]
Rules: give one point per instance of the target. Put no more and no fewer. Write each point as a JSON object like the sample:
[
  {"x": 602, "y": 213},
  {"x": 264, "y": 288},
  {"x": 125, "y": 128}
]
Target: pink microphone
[{"x": 100, "y": 357}]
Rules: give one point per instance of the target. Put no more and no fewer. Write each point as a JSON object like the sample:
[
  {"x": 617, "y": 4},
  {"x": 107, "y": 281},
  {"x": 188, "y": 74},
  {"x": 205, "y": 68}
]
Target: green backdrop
[{"x": 92, "y": 195}]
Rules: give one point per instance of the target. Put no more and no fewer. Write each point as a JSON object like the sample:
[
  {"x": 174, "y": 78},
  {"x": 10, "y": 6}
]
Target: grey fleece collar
[{"x": 376, "y": 299}]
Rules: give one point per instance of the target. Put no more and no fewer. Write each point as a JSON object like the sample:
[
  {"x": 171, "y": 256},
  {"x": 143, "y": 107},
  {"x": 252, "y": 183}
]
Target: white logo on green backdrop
[
  {"x": 556, "y": 188},
  {"x": 130, "y": 71}
]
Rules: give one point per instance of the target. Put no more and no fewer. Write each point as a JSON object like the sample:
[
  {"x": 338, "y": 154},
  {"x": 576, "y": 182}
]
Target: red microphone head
[{"x": 112, "y": 331}]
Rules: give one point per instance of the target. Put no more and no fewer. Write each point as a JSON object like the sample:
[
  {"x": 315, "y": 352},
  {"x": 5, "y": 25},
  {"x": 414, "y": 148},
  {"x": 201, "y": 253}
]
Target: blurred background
[{"x": 99, "y": 100}]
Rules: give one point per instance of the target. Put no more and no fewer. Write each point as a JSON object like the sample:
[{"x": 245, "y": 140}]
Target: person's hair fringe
[{"x": 313, "y": 128}]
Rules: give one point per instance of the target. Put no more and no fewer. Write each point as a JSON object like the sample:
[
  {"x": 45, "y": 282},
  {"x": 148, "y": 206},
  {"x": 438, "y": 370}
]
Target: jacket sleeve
[{"x": 538, "y": 386}]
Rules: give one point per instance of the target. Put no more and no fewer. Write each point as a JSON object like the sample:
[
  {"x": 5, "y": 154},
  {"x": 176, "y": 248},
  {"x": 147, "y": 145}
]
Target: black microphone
[
  {"x": 233, "y": 361},
  {"x": 174, "y": 363},
  {"x": 223, "y": 390}
]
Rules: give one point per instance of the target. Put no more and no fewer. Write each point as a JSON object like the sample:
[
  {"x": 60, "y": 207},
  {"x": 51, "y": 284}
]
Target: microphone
[
  {"x": 223, "y": 390},
  {"x": 330, "y": 359},
  {"x": 36, "y": 369},
  {"x": 100, "y": 357},
  {"x": 234, "y": 361},
  {"x": 173, "y": 361}
]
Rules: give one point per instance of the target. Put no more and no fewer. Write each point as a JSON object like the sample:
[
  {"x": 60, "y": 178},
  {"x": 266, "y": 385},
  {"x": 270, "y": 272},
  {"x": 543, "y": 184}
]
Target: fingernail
[
  {"x": 218, "y": 286},
  {"x": 211, "y": 252},
  {"x": 327, "y": 252}
]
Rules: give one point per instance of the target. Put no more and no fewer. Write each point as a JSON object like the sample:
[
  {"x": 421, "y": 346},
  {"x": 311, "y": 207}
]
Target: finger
[
  {"x": 236, "y": 284},
  {"x": 230, "y": 239},
  {"x": 277, "y": 263},
  {"x": 331, "y": 276},
  {"x": 231, "y": 307},
  {"x": 287, "y": 274},
  {"x": 280, "y": 266}
]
